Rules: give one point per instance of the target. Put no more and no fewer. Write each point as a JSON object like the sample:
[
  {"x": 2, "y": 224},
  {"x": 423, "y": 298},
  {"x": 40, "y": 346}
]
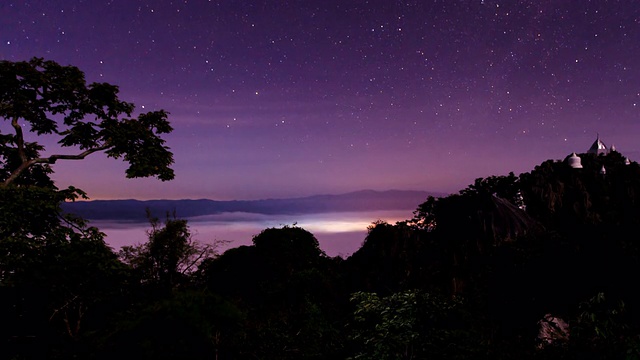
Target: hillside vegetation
[{"x": 538, "y": 266}]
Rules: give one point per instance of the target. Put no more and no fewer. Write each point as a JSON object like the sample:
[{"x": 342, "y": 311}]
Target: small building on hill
[
  {"x": 575, "y": 161},
  {"x": 598, "y": 147}
]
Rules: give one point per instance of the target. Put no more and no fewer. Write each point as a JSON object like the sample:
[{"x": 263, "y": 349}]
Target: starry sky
[{"x": 292, "y": 98}]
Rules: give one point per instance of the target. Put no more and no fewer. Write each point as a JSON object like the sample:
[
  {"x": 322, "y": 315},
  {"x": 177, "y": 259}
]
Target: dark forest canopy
[{"x": 532, "y": 266}]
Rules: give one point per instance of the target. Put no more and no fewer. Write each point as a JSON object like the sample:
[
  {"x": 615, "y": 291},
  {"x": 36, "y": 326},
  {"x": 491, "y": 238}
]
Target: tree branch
[
  {"x": 47, "y": 160},
  {"x": 63, "y": 307},
  {"x": 53, "y": 158},
  {"x": 205, "y": 251},
  {"x": 19, "y": 139}
]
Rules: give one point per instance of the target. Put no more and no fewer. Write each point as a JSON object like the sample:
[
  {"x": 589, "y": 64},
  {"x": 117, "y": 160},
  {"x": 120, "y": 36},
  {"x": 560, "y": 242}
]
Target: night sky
[{"x": 293, "y": 98}]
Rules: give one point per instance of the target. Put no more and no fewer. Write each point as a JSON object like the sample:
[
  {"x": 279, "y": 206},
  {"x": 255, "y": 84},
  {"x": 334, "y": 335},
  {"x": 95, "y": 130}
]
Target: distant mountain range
[{"x": 365, "y": 200}]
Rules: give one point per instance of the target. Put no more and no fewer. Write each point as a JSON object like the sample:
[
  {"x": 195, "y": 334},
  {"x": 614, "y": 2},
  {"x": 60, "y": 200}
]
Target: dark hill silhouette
[
  {"x": 468, "y": 226},
  {"x": 135, "y": 210}
]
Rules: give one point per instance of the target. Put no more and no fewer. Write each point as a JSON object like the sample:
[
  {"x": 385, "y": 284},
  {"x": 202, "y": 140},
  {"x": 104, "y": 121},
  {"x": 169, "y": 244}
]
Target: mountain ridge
[{"x": 362, "y": 200}]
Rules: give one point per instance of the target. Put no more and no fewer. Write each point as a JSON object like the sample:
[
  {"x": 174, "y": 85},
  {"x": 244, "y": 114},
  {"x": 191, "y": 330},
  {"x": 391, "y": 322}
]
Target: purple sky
[{"x": 294, "y": 98}]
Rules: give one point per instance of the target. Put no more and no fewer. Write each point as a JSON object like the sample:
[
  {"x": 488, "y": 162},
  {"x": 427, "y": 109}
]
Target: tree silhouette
[
  {"x": 50, "y": 99},
  {"x": 170, "y": 256},
  {"x": 57, "y": 275}
]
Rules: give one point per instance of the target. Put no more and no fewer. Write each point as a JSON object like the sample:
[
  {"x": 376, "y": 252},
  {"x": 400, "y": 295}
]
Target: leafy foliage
[
  {"x": 60, "y": 282},
  {"x": 408, "y": 325},
  {"x": 51, "y": 99},
  {"x": 170, "y": 255},
  {"x": 57, "y": 274},
  {"x": 601, "y": 328},
  {"x": 289, "y": 290}
]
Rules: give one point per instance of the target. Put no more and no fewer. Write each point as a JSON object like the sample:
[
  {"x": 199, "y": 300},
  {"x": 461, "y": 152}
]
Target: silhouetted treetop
[{"x": 47, "y": 98}]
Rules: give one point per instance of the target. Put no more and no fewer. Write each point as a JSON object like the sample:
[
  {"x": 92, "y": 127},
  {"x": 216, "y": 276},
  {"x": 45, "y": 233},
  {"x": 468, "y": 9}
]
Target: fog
[{"x": 339, "y": 233}]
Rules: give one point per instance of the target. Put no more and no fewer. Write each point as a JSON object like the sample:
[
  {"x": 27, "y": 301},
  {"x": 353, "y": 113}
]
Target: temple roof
[{"x": 598, "y": 147}]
